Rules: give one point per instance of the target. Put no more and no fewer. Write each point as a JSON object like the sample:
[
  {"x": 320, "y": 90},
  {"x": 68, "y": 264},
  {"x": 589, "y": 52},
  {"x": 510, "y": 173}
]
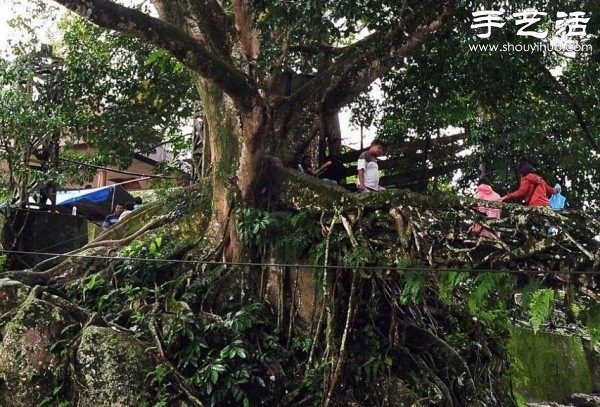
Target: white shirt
[{"x": 368, "y": 163}]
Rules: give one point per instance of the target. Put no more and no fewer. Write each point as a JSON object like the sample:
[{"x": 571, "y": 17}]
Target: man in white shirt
[{"x": 368, "y": 170}]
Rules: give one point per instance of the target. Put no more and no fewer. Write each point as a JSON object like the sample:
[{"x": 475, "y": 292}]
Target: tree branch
[
  {"x": 366, "y": 60},
  {"x": 194, "y": 55},
  {"x": 322, "y": 48},
  {"x": 247, "y": 33},
  {"x": 356, "y": 68},
  {"x": 216, "y": 27}
]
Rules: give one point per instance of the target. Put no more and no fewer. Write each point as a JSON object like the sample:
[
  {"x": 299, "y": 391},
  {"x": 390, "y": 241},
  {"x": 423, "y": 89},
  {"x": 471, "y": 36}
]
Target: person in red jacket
[{"x": 533, "y": 189}]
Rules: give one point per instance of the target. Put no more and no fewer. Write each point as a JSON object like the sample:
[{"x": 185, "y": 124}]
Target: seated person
[
  {"x": 332, "y": 171},
  {"x": 128, "y": 209},
  {"x": 304, "y": 166},
  {"x": 113, "y": 218}
]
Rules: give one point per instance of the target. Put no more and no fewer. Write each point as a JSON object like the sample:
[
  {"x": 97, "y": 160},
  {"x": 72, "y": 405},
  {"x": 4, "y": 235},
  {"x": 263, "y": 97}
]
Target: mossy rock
[
  {"x": 12, "y": 294},
  {"x": 30, "y": 362},
  {"x": 593, "y": 359},
  {"x": 548, "y": 367},
  {"x": 111, "y": 368}
]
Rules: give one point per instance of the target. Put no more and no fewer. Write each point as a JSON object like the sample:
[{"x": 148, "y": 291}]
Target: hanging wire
[
  {"x": 43, "y": 249},
  {"x": 299, "y": 265}
]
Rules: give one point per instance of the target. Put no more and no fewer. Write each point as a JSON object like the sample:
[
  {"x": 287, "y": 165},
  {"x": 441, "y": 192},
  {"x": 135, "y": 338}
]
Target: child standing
[{"x": 486, "y": 193}]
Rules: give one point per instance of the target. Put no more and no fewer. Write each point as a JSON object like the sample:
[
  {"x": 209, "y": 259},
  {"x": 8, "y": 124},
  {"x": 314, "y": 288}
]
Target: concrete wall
[{"x": 37, "y": 231}]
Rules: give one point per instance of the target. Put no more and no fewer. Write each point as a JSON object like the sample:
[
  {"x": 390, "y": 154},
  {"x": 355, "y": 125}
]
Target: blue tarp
[
  {"x": 95, "y": 203},
  {"x": 92, "y": 195}
]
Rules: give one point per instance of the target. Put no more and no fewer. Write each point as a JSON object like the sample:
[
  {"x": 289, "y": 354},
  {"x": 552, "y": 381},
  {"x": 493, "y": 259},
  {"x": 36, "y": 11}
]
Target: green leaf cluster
[{"x": 216, "y": 357}]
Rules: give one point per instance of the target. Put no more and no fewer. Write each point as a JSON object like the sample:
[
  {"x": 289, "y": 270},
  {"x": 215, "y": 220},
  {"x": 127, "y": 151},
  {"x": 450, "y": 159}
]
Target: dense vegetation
[{"x": 399, "y": 302}]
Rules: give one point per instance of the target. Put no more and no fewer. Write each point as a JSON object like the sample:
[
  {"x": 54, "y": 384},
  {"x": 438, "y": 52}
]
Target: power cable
[
  {"x": 63, "y": 242},
  {"x": 298, "y": 265},
  {"x": 137, "y": 174}
]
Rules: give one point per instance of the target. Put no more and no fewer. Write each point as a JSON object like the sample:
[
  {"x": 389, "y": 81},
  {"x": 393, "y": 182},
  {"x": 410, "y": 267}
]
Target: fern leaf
[{"x": 542, "y": 302}]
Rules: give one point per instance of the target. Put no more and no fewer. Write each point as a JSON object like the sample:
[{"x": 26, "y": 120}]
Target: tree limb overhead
[{"x": 194, "y": 55}]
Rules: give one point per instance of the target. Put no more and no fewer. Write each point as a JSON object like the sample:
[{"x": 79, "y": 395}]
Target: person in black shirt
[{"x": 332, "y": 170}]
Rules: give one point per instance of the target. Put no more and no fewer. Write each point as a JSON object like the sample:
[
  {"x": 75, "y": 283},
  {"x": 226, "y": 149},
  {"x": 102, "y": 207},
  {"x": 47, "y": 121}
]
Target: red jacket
[{"x": 533, "y": 190}]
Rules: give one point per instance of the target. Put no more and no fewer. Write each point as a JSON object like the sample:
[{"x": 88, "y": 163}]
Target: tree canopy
[{"x": 421, "y": 50}]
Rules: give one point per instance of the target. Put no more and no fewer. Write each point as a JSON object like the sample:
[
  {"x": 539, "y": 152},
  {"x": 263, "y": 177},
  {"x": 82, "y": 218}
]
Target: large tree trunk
[
  {"x": 236, "y": 150},
  {"x": 224, "y": 134},
  {"x": 236, "y": 140}
]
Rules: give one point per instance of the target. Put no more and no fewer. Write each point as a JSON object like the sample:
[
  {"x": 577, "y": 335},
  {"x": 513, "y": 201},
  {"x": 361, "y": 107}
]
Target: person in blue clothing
[
  {"x": 113, "y": 218},
  {"x": 557, "y": 200}
]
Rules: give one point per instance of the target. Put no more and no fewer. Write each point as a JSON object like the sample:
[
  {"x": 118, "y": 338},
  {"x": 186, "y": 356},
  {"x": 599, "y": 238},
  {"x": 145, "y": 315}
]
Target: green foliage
[
  {"x": 374, "y": 367},
  {"x": 215, "y": 356},
  {"x": 364, "y": 109},
  {"x": 592, "y": 319},
  {"x": 308, "y": 23},
  {"x": 55, "y": 400},
  {"x": 252, "y": 224},
  {"x": 447, "y": 282},
  {"x": 116, "y": 94},
  {"x": 132, "y": 95},
  {"x": 129, "y": 283},
  {"x": 123, "y": 96},
  {"x": 301, "y": 343},
  {"x": 510, "y": 104},
  {"x": 31, "y": 121},
  {"x": 3, "y": 258},
  {"x": 541, "y": 306},
  {"x": 290, "y": 235},
  {"x": 358, "y": 256},
  {"x": 313, "y": 379},
  {"x": 93, "y": 284},
  {"x": 155, "y": 247},
  {"x": 375, "y": 362},
  {"x": 138, "y": 254},
  {"x": 414, "y": 285},
  {"x": 528, "y": 291},
  {"x": 520, "y": 379},
  {"x": 293, "y": 234},
  {"x": 485, "y": 287},
  {"x": 159, "y": 377}
]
